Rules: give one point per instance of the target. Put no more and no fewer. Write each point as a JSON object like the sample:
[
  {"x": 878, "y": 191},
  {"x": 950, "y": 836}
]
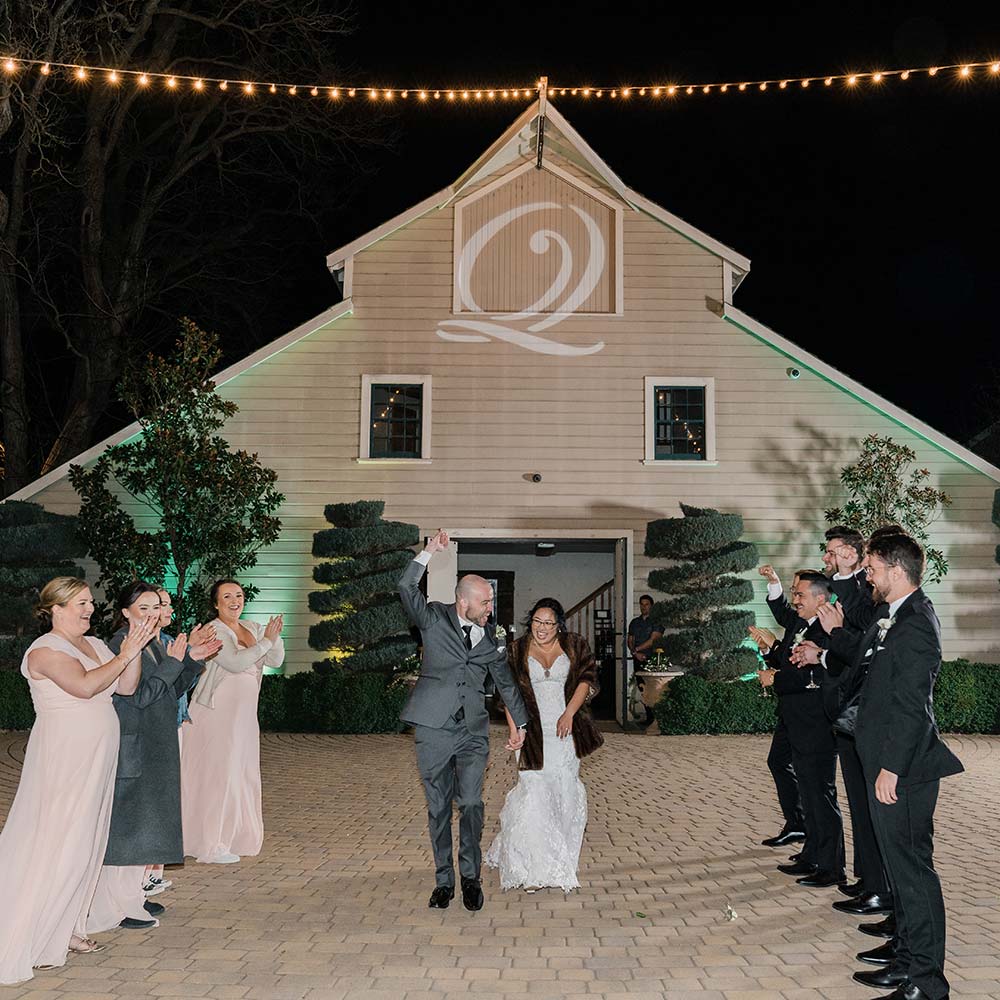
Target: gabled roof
[
  {"x": 520, "y": 140},
  {"x": 226, "y": 375}
]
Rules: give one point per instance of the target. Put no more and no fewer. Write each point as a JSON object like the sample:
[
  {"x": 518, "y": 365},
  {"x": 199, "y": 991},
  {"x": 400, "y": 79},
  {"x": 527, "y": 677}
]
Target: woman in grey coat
[{"x": 146, "y": 814}]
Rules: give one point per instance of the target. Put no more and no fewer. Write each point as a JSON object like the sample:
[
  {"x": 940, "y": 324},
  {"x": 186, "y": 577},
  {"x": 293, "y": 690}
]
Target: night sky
[{"x": 872, "y": 217}]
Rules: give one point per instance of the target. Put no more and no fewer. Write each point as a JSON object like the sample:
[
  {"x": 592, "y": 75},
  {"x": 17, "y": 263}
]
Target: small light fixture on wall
[{"x": 793, "y": 373}]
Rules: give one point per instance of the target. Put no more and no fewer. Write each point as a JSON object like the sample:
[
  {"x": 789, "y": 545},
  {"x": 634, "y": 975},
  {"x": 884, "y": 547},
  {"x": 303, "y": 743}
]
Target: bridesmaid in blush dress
[
  {"x": 220, "y": 758},
  {"x": 53, "y": 842}
]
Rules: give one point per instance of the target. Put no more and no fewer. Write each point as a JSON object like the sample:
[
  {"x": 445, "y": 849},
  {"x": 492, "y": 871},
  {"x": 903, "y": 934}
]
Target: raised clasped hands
[
  {"x": 515, "y": 740},
  {"x": 830, "y": 616},
  {"x": 767, "y": 571},
  {"x": 437, "y": 542},
  {"x": 273, "y": 628},
  {"x": 806, "y": 654}
]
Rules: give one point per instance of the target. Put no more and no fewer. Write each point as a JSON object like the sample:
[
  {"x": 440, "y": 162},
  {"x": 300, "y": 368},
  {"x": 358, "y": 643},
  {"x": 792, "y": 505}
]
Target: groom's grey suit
[{"x": 447, "y": 710}]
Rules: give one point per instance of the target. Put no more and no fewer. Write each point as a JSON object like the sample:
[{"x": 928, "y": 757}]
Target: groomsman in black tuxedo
[
  {"x": 800, "y": 707},
  {"x": 903, "y": 760}
]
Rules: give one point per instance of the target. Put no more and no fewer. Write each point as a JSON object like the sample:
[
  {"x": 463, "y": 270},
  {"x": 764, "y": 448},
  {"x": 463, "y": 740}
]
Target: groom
[{"x": 447, "y": 710}]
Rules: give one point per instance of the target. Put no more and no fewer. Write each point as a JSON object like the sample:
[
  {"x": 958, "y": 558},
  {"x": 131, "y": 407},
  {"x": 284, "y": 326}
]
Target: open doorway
[{"x": 587, "y": 575}]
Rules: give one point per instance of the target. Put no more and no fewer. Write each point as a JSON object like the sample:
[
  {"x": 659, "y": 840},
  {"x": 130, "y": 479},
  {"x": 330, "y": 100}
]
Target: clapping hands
[
  {"x": 273, "y": 628},
  {"x": 203, "y": 642},
  {"x": 140, "y": 631},
  {"x": 830, "y": 616},
  {"x": 178, "y": 647}
]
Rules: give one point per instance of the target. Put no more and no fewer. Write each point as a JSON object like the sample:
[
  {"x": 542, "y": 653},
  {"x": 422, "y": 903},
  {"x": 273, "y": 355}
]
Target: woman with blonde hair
[{"x": 52, "y": 845}]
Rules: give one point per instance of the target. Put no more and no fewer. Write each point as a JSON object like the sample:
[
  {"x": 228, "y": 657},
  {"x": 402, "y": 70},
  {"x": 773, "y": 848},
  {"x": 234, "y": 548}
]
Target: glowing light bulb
[
  {"x": 465, "y": 95},
  {"x": 351, "y": 92},
  {"x": 405, "y": 94},
  {"x": 200, "y": 85},
  {"x": 659, "y": 90},
  {"x": 451, "y": 95},
  {"x": 273, "y": 89},
  {"x": 46, "y": 69},
  {"x": 599, "y": 93},
  {"x": 247, "y": 88},
  {"x": 995, "y": 68},
  {"x": 626, "y": 92},
  {"x": 743, "y": 86},
  {"x": 586, "y": 91},
  {"x": 171, "y": 83},
  {"x": 614, "y": 93},
  {"x": 479, "y": 95},
  {"x": 224, "y": 85},
  {"x": 437, "y": 95},
  {"x": 9, "y": 65},
  {"x": 373, "y": 94},
  {"x": 81, "y": 73},
  {"x": 642, "y": 91},
  {"x": 805, "y": 83},
  {"x": 877, "y": 77},
  {"x": 705, "y": 89},
  {"x": 423, "y": 95},
  {"x": 724, "y": 88},
  {"x": 334, "y": 93},
  {"x": 966, "y": 71},
  {"x": 690, "y": 90},
  {"x": 905, "y": 75},
  {"x": 293, "y": 91},
  {"x": 783, "y": 84},
  {"x": 113, "y": 76},
  {"x": 314, "y": 91},
  {"x": 933, "y": 71},
  {"x": 491, "y": 94},
  {"x": 852, "y": 80},
  {"x": 763, "y": 86},
  {"x": 828, "y": 82},
  {"x": 388, "y": 95}
]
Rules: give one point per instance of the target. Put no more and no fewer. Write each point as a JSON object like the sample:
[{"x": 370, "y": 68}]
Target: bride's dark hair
[{"x": 554, "y": 606}]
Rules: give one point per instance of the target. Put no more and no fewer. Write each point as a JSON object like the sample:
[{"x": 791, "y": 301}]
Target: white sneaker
[
  {"x": 220, "y": 858},
  {"x": 154, "y": 885}
]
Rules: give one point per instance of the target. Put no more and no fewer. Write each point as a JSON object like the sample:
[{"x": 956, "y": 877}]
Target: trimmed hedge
[
  {"x": 966, "y": 700},
  {"x": 302, "y": 703}
]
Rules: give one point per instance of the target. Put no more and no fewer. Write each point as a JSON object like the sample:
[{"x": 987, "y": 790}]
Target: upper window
[
  {"x": 680, "y": 419},
  {"x": 395, "y": 417}
]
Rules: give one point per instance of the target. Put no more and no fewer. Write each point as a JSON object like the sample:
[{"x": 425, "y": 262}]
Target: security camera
[
  {"x": 792, "y": 373},
  {"x": 536, "y": 477}
]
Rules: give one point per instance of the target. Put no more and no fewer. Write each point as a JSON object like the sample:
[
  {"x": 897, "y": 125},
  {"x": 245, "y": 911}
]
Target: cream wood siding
[{"x": 500, "y": 412}]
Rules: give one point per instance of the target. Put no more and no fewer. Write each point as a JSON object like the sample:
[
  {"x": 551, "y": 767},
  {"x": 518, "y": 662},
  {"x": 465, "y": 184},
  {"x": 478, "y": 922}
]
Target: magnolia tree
[
  {"x": 884, "y": 488},
  {"x": 206, "y": 509}
]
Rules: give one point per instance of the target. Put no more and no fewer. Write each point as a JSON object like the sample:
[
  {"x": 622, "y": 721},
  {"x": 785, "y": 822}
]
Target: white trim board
[
  {"x": 853, "y": 388},
  {"x": 226, "y": 375}
]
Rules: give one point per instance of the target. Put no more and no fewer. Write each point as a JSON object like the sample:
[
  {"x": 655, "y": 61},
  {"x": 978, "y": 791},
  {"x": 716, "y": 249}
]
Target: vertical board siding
[{"x": 501, "y": 412}]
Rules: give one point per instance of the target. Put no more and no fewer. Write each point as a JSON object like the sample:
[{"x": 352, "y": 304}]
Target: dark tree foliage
[
  {"x": 35, "y": 546},
  {"x": 366, "y": 630},
  {"x": 703, "y": 633},
  {"x": 207, "y": 509}
]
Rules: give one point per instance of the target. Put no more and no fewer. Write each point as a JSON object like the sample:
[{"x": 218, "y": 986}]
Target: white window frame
[
  {"x": 680, "y": 381},
  {"x": 364, "y": 439}
]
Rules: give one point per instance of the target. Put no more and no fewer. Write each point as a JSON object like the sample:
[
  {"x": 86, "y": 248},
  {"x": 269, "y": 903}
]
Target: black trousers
[
  {"x": 867, "y": 857},
  {"x": 817, "y": 774},
  {"x": 779, "y": 761},
  {"x": 905, "y": 833}
]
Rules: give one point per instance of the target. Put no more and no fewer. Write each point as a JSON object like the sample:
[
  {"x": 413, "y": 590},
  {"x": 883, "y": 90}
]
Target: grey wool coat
[{"x": 146, "y": 814}]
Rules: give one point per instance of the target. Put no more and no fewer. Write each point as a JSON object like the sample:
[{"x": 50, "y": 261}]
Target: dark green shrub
[
  {"x": 704, "y": 635},
  {"x": 967, "y": 697},
  {"x": 366, "y": 629},
  {"x": 16, "y": 710}
]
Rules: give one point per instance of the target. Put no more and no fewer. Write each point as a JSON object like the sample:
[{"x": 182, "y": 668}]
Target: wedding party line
[{"x": 145, "y": 750}]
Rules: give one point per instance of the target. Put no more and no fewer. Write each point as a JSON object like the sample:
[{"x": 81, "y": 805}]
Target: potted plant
[{"x": 656, "y": 673}]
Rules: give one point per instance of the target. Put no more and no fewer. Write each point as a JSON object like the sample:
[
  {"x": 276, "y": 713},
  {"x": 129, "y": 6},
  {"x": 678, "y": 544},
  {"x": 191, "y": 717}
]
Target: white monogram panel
[{"x": 531, "y": 253}]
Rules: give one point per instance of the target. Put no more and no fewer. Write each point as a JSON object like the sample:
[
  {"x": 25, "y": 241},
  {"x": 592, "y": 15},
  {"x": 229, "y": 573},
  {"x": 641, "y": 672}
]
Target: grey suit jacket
[{"x": 451, "y": 676}]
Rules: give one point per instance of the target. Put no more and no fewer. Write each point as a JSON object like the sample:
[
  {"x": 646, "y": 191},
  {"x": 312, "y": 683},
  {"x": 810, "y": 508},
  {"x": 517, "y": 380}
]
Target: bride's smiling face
[{"x": 544, "y": 627}]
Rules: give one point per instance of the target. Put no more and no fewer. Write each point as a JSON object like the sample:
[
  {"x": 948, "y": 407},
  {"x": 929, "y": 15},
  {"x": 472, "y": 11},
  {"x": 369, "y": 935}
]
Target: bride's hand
[
  {"x": 564, "y": 725},
  {"x": 515, "y": 740}
]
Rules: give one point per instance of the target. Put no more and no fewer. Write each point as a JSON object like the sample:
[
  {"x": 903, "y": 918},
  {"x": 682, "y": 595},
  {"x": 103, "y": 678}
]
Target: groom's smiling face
[{"x": 476, "y": 605}]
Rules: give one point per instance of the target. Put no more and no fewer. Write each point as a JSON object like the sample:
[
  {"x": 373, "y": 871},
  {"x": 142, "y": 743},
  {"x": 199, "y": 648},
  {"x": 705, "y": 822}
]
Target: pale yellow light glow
[
  {"x": 224, "y": 85},
  {"x": 293, "y": 91},
  {"x": 690, "y": 90},
  {"x": 933, "y": 71},
  {"x": 705, "y": 89},
  {"x": 200, "y": 85},
  {"x": 805, "y": 83},
  {"x": 351, "y": 92},
  {"x": 247, "y": 88},
  {"x": 373, "y": 94},
  {"x": 423, "y": 95},
  {"x": 743, "y": 86},
  {"x": 144, "y": 81},
  {"x": 626, "y": 92},
  {"x": 724, "y": 87},
  {"x": 9, "y": 65},
  {"x": 783, "y": 84},
  {"x": 46, "y": 69},
  {"x": 763, "y": 86},
  {"x": 877, "y": 77},
  {"x": 334, "y": 93},
  {"x": 995, "y": 68},
  {"x": 273, "y": 89},
  {"x": 81, "y": 73},
  {"x": 852, "y": 80},
  {"x": 113, "y": 77},
  {"x": 314, "y": 91},
  {"x": 171, "y": 83},
  {"x": 905, "y": 75},
  {"x": 389, "y": 95},
  {"x": 828, "y": 81},
  {"x": 966, "y": 71}
]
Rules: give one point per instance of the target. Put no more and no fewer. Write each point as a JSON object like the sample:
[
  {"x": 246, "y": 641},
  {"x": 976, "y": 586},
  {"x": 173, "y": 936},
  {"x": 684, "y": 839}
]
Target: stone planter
[{"x": 653, "y": 683}]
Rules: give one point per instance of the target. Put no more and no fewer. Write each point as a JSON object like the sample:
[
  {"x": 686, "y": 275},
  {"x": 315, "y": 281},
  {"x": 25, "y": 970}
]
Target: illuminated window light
[
  {"x": 81, "y": 73},
  {"x": 112, "y": 76},
  {"x": 171, "y": 83}
]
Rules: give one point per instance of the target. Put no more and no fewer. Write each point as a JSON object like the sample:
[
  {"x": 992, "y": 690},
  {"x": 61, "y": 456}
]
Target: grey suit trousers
[{"x": 452, "y": 762}]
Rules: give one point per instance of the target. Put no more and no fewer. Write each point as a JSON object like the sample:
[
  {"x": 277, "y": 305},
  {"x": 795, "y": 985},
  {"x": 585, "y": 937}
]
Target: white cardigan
[{"x": 234, "y": 660}]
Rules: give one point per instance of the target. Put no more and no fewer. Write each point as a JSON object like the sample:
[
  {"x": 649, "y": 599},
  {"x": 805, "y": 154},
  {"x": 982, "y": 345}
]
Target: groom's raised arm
[{"x": 409, "y": 582}]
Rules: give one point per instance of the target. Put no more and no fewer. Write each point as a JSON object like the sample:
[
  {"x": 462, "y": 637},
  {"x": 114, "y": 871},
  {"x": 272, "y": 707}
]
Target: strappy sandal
[
  {"x": 86, "y": 947},
  {"x": 44, "y": 968}
]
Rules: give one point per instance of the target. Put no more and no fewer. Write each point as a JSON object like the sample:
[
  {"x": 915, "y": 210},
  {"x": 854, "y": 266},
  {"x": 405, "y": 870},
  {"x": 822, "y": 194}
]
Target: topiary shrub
[
  {"x": 35, "y": 546},
  {"x": 967, "y": 697},
  {"x": 16, "y": 709},
  {"x": 366, "y": 629},
  {"x": 703, "y": 634}
]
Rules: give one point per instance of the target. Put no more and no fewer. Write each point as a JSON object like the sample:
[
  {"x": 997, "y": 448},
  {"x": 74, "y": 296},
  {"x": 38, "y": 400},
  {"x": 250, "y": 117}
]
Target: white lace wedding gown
[{"x": 545, "y": 813}]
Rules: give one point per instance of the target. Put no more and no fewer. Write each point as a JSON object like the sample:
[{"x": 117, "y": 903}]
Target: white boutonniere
[
  {"x": 884, "y": 624},
  {"x": 799, "y": 637},
  {"x": 501, "y": 633}
]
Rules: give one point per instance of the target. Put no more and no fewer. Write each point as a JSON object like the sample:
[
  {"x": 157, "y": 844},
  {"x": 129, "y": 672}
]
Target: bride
[{"x": 545, "y": 813}]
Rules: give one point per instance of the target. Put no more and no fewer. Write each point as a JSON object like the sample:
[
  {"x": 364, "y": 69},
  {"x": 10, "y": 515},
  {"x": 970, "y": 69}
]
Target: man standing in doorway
[
  {"x": 447, "y": 710},
  {"x": 643, "y": 636}
]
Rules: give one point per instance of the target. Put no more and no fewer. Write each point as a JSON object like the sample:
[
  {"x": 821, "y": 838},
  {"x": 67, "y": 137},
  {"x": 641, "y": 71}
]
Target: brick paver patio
[{"x": 336, "y": 905}]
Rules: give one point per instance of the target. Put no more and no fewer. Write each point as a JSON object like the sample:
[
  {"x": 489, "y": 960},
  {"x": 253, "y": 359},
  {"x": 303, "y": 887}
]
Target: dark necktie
[{"x": 467, "y": 629}]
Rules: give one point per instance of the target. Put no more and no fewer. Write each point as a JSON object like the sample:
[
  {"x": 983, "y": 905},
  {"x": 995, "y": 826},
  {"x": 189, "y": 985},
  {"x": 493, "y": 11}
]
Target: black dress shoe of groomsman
[
  {"x": 909, "y": 992},
  {"x": 131, "y": 924},
  {"x": 472, "y": 893},
  {"x": 884, "y": 954},
  {"x": 884, "y": 928},
  {"x": 795, "y": 857},
  {"x": 786, "y": 836},
  {"x": 153, "y": 909},
  {"x": 799, "y": 868},
  {"x": 441, "y": 897},
  {"x": 822, "y": 880},
  {"x": 852, "y": 889},
  {"x": 865, "y": 906},
  {"x": 890, "y": 975}
]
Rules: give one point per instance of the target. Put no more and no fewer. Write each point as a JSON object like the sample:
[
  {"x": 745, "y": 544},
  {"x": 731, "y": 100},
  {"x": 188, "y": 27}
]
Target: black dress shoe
[
  {"x": 441, "y": 897},
  {"x": 884, "y": 928},
  {"x": 799, "y": 868},
  {"x": 822, "y": 880},
  {"x": 153, "y": 909},
  {"x": 865, "y": 906},
  {"x": 884, "y": 954},
  {"x": 795, "y": 857},
  {"x": 852, "y": 889},
  {"x": 787, "y": 836},
  {"x": 131, "y": 924},
  {"x": 891, "y": 975},
  {"x": 472, "y": 893},
  {"x": 910, "y": 992}
]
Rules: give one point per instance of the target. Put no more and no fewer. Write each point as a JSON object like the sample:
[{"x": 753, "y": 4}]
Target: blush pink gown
[
  {"x": 220, "y": 757},
  {"x": 53, "y": 842}
]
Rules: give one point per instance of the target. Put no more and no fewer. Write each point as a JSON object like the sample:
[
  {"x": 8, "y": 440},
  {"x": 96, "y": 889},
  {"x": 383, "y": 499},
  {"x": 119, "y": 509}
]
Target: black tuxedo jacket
[
  {"x": 896, "y": 730},
  {"x": 855, "y": 596},
  {"x": 801, "y": 708}
]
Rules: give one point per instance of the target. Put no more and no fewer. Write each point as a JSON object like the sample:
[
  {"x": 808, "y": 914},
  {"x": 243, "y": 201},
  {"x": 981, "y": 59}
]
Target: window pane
[
  {"x": 396, "y": 412},
  {"x": 679, "y": 422}
]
